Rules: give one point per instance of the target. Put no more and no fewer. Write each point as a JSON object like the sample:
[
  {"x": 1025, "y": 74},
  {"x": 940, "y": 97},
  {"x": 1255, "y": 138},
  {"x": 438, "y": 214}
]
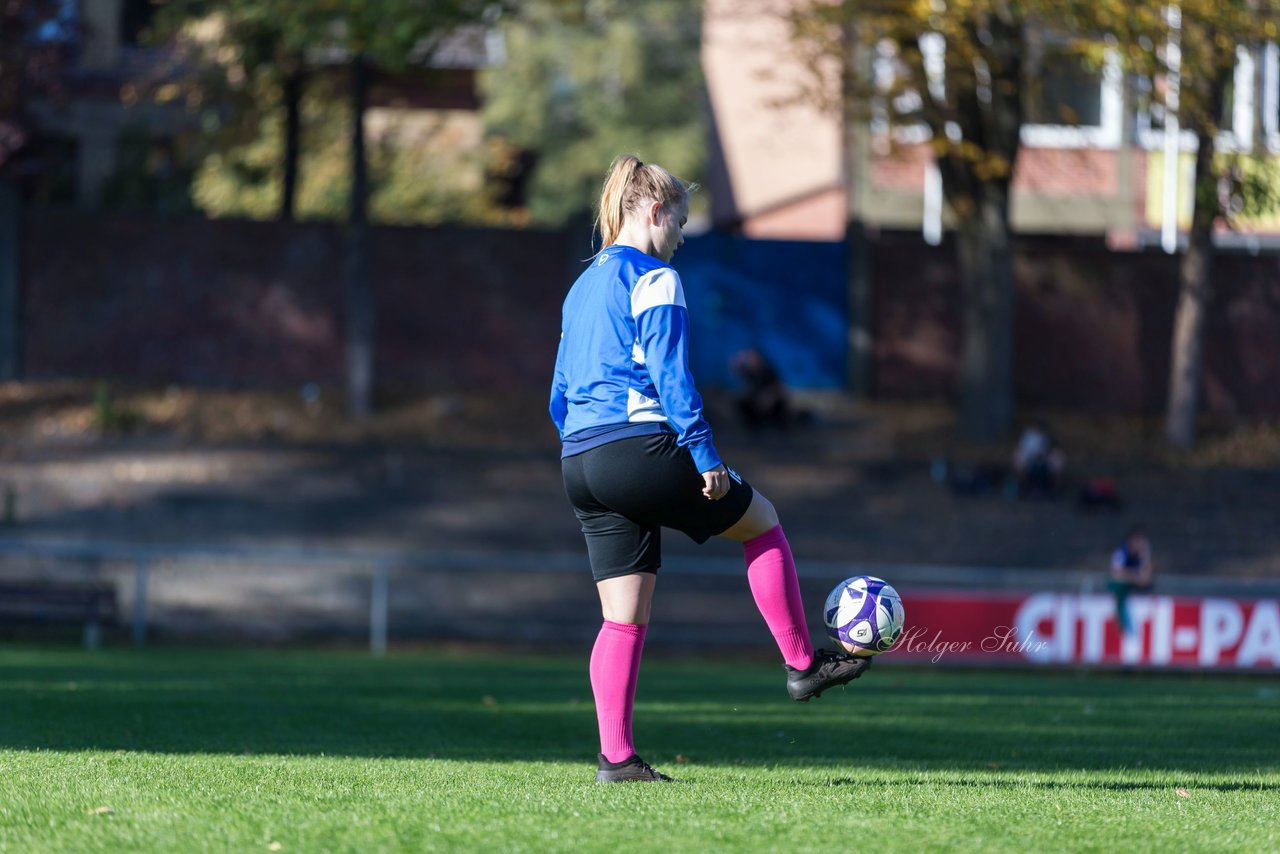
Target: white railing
[
  {"x": 380, "y": 563},
  {"x": 142, "y": 556}
]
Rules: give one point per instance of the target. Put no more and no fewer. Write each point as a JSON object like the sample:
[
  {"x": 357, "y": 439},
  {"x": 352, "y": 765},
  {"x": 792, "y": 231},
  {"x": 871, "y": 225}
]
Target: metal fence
[{"x": 531, "y": 596}]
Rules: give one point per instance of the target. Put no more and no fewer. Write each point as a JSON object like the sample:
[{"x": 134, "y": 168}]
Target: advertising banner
[{"x": 964, "y": 627}]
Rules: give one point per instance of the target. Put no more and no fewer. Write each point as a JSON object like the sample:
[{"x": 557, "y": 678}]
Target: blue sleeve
[
  {"x": 664, "y": 334},
  {"x": 559, "y": 407}
]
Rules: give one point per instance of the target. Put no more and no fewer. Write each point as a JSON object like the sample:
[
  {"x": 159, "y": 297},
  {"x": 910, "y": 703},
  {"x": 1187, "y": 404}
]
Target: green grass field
[{"x": 162, "y": 750}]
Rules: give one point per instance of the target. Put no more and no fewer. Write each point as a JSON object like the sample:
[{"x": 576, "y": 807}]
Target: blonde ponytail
[
  {"x": 629, "y": 184},
  {"x": 612, "y": 197}
]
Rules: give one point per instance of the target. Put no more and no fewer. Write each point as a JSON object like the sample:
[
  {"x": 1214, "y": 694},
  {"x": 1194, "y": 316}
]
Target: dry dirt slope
[{"x": 479, "y": 472}]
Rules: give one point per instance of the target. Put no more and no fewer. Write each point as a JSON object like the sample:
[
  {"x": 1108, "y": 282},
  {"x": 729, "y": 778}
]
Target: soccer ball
[{"x": 864, "y": 615}]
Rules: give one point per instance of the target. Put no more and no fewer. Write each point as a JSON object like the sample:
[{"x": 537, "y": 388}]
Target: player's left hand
[{"x": 716, "y": 483}]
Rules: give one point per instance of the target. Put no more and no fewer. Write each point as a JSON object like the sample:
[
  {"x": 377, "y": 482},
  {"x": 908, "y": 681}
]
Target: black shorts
[{"x": 624, "y": 493}]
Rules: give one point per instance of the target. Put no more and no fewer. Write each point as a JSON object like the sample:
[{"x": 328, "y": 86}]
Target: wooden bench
[{"x": 92, "y": 604}]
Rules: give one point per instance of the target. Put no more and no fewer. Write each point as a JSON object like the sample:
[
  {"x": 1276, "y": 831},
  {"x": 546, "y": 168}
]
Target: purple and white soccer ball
[{"x": 864, "y": 615}]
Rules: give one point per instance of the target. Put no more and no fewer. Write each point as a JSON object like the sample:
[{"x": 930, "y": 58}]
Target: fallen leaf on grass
[
  {"x": 100, "y": 811},
  {"x": 274, "y": 846},
  {"x": 1182, "y": 793},
  {"x": 993, "y": 764},
  {"x": 681, "y": 759}
]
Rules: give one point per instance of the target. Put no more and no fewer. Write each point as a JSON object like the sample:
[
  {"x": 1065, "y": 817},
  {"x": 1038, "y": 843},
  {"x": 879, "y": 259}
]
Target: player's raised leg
[{"x": 771, "y": 574}]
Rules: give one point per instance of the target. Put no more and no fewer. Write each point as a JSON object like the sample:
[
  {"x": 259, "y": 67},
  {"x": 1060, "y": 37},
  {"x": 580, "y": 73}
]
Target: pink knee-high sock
[
  {"x": 615, "y": 667},
  {"x": 771, "y": 572}
]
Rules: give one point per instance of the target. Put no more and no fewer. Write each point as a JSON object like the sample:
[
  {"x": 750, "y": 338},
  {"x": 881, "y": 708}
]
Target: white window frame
[
  {"x": 1106, "y": 135},
  {"x": 1241, "y": 135},
  {"x": 1271, "y": 95}
]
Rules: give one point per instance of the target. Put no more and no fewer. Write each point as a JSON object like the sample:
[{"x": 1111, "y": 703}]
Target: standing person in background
[
  {"x": 638, "y": 457},
  {"x": 1131, "y": 569}
]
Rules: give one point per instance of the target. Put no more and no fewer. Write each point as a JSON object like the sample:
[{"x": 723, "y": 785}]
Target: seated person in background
[
  {"x": 1100, "y": 493},
  {"x": 1131, "y": 569},
  {"x": 762, "y": 400},
  {"x": 1038, "y": 462}
]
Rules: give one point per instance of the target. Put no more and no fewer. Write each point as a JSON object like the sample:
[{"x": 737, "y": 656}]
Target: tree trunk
[
  {"x": 10, "y": 282},
  {"x": 292, "y": 96},
  {"x": 859, "y": 374},
  {"x": 984, "y": 100},
  {"x": 360, "y": 313},
  {"x": 986, "y": 276},
  {"x": 1195, "y": 287}
]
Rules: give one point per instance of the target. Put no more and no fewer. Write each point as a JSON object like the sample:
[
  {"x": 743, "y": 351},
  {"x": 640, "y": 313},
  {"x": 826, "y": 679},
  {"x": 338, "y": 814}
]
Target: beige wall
[
  {"x": 779, "y": 165},
  {"x": 817, "y": 217}
]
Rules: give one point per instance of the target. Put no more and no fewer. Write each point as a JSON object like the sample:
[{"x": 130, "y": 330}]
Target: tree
[
  {"x": 238, "y": 58},
  {"x": 961, "y": 71},
  {"x": 390, "y": 35},
  {"x": 1199, "y": 41},
  {"x": 417, "y": 175},
  {"x": 584, "y": 83},
  {"x": 360, "y": 37},
  {"x": 965, "y": 70}
]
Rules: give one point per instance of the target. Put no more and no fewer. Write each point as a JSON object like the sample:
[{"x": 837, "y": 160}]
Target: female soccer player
[{"x": 638, "y": 456}]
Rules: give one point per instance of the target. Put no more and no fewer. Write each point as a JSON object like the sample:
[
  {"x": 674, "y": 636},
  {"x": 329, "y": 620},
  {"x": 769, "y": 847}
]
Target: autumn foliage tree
[
  {"x": 237, "y": 57},
  {"x": 283, "y": 40},
  {"x": 1197, "y": 43},
  {"x": 582, "y": 82},
  {"x": 964, "y": 70}
]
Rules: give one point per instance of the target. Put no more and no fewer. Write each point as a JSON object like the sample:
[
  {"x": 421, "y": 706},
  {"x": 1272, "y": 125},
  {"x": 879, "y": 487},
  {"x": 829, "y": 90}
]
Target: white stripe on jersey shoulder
[{"x": 657, "y": 287}]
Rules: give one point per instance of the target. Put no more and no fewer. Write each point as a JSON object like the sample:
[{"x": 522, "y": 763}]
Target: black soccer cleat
[
  {"x": 827, "y": 670},
  {"x": 630, "y": 770}
]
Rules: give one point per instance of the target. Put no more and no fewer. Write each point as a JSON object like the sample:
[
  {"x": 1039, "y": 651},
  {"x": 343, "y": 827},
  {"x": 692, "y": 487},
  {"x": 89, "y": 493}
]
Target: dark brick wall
[
  {"x": 1093, "y": 327},
  {"x": 260, "y": 303}
]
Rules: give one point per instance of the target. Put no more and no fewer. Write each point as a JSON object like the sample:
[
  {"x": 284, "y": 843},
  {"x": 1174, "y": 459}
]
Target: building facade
[
  {"x": 1092, "y": 161},
  {"x": 121, "y": 114}
]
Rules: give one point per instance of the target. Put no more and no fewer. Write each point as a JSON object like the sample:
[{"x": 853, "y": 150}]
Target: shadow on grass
[
  {"x": 998, "y": 783},
  {"x": 524, "y": 708}
]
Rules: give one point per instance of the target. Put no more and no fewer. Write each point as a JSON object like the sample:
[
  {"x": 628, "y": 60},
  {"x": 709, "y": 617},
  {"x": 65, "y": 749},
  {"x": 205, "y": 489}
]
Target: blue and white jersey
[
  {"x": 622, "y": 368},
  {"x": 1124, "y": 560}
]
